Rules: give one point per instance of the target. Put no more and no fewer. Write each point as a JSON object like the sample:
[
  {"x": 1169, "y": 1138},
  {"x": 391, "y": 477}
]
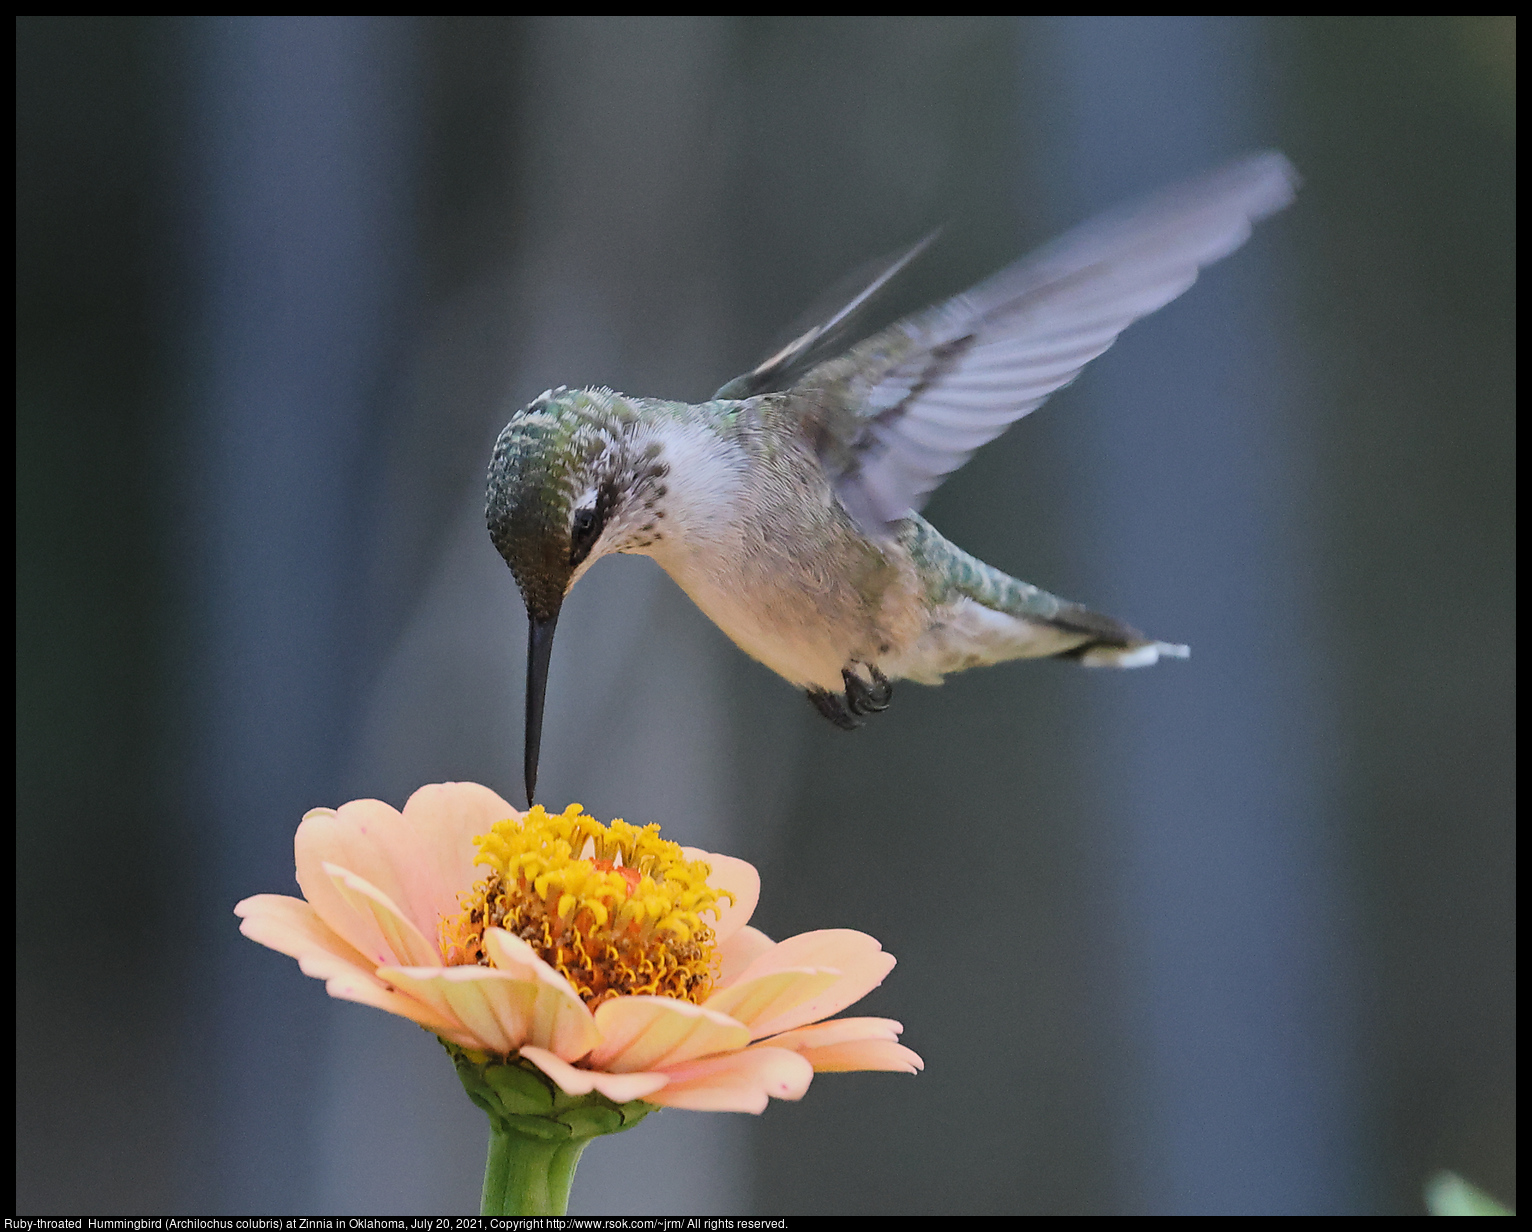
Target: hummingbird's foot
[
  {"x": 833, "y": 707},
  {"x": 864, "y": 697},
  {"x": 861, "y": 697}
]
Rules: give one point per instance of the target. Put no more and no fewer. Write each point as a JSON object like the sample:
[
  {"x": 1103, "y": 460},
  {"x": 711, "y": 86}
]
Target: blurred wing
[
  {"x": 899, "y": 412},
  {"x": 775, "y": 373}
]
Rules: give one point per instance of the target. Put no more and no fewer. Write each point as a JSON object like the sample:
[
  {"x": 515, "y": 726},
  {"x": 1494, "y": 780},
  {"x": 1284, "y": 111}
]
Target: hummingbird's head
[{"x": 566, "y": 487}]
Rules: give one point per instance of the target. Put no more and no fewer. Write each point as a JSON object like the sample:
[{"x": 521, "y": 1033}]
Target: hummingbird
[{"x": 787, "y": 506}]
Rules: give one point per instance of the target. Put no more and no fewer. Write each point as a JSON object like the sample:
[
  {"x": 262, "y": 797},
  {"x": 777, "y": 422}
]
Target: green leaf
[
  {"x": 591, "y": 1121},
  {"x": 538, "y": 1127},
  {"x": 477, "y": 1089},
  {"x": 1449, "y": 1194},
  {"x": 635, "y": 1111},
  {"x": 520, "y": 1091}
]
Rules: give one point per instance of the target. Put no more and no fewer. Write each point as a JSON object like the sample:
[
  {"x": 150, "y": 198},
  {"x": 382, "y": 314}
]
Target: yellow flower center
[{"x": 615, "y": 909}]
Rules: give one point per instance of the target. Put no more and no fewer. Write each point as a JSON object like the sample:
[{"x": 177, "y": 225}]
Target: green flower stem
[
  {"x": 536, "y": 1131},
  {"x": 526, "y": 1175}
]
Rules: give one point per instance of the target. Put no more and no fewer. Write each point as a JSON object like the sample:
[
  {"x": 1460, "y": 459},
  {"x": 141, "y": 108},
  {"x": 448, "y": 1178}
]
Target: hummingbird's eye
[{"x": 583, "y": 532}]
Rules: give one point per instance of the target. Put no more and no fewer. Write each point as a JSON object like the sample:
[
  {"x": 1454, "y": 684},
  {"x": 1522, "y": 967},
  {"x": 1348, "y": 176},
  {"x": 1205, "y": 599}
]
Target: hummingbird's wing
[
  {"x": 899, "y": 412},
  {"x": 777, "y": 371}
]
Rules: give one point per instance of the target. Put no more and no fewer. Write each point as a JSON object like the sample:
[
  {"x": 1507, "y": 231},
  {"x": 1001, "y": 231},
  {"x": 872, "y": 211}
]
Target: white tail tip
[{"x": 1144, "y": 655}]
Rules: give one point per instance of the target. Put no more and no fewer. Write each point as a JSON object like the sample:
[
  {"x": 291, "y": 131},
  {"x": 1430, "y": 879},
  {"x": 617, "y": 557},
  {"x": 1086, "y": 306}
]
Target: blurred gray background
[{"x": 1231, "y": 936}]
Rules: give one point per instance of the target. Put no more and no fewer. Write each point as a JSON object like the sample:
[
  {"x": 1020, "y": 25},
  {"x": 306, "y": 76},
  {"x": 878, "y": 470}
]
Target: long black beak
[{"x": 539, "y": 649}]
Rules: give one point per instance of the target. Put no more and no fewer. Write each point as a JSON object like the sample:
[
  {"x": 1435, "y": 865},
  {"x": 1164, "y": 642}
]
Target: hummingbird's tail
[
  {"x": 1119, "y": 645},
  {"x": 985, "y": 616}
]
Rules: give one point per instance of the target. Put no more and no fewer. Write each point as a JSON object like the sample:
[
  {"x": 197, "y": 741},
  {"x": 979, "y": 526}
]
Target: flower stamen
[{"x": 623, "y": 917}]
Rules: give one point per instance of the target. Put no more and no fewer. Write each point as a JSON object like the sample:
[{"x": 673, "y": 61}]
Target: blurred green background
[{"x": 1233, "y": 936}]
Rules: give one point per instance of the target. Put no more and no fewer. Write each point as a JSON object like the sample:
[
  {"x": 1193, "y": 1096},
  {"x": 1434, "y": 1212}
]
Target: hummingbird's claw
[
  {"x": 861, "y": 697},
  {"x": 865, "y": 698},
  {"x": 833, "y": 707}
]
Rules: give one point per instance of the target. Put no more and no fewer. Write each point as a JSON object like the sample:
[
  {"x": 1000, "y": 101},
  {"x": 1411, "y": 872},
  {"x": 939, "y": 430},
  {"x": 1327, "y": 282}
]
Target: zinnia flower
[{"x": 610, "y": 959}]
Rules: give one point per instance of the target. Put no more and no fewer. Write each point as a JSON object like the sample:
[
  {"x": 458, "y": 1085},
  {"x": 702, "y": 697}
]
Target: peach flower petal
[
  {"x": 564, "y": 1024},
  {"x": 619, "y": 1088},
  {"x": 737, "y": 1081},
  {"x": 290, "y": 926},
  {"x": 740, "y": 879},
  {"x": 645, "y": 1033},
  {"x": 421, "y": 859},
  {"x": 493, "y": 1018},
  {"x": 862, "y": 1055},
  {"x": 858, "y": 957},
  {"x": 838, "y": 1031},
  {"x": 769, "y": 998},
  {"x": 739, "y": 951},
  {"x": 504, "y": 1012},
  {"x": 845, "y": 1044},
  {"x": 443, "y": 819},
  {"x": 510, "y": 954},
  {"x": 368, "y": 990},
  {"x": 397, "y": 941},
  {"x": 349, "y": 842}
]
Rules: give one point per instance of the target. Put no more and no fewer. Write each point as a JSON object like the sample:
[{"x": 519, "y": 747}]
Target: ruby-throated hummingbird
[{"x": 787, "y": 505}]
